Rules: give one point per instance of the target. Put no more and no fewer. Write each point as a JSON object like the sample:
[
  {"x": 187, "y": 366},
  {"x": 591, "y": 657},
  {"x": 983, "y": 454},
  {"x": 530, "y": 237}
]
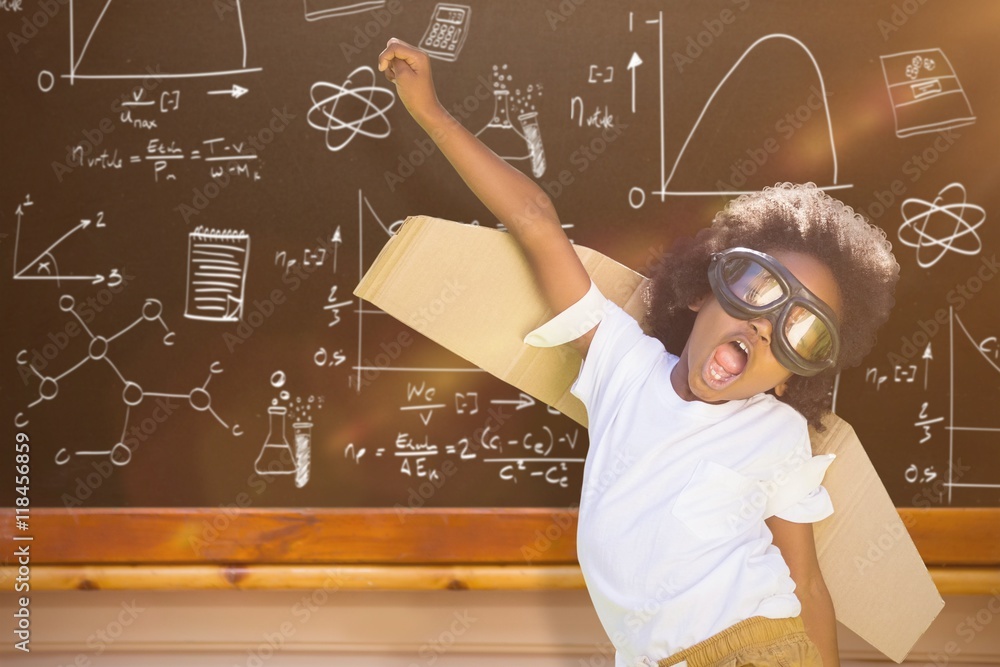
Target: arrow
[
  {"x": 236, "y": 91},
  {"x": 17, "y": 235},
  {"x": 83, "y": 224},
  {"x": 524, "y": 401},
  {"x": 927, "y": 356},
  {"x": 634, "y": 62}
]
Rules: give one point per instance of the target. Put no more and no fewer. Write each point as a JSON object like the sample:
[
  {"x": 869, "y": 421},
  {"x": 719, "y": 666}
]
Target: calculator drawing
[{"x": 447, "y": 30}]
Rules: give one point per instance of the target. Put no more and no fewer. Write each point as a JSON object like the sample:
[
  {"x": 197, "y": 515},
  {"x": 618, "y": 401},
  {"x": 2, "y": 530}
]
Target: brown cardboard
[{"x": 880, "y": 586}]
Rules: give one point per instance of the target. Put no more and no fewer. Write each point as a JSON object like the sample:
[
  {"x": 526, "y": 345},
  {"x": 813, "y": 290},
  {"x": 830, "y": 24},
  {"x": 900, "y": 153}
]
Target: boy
[{"x": 751, "y": 321}]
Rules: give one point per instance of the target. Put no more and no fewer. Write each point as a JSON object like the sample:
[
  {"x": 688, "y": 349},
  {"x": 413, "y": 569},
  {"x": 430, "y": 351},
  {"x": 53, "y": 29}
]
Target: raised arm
[{"x": 512, "y": 197}]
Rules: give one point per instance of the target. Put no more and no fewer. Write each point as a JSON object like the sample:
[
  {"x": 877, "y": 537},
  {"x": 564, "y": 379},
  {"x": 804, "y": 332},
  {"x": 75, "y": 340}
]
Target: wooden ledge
[
  {"x": 949, "y": 537},
  {"x": 949, "y": 581}
]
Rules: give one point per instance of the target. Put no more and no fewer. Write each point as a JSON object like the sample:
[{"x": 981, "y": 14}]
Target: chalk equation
[
  {"x": 545, "y": 454},
  {"x": 221, "y": 157}
]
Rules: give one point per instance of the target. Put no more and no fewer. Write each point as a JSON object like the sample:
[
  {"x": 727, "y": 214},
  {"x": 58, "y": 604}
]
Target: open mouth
[{"x": 727, "y": 363}]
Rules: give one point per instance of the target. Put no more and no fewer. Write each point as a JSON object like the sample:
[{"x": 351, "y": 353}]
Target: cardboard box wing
[{"x": 471, "y": 290}]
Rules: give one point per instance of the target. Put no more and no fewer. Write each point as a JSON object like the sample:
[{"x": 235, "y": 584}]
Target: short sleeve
[
  {"x": 571, "y": 323},
  {"x": 796, "y": 492},
  {"x": 815, "y": 506},
  {"x": 621, "y": 356}
]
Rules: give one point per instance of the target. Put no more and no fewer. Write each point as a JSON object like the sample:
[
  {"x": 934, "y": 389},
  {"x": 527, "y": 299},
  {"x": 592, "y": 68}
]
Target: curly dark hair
[{"x": 790, "y": 217}]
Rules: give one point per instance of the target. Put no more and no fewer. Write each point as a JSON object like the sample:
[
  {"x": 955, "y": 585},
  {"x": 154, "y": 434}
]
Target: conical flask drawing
[
  {"x": 276, "y": 456},
  {"x": 500, "y": 135}
]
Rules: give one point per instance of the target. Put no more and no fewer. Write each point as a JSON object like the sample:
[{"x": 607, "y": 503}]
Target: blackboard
[{"x": 194, "y": 188}]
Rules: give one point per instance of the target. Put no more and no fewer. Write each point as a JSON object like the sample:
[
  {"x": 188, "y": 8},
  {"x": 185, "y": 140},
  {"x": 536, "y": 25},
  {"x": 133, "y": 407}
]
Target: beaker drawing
[
  {"x": 303, "y": 442},
  {"x": 529, "y": 123},
  {"x": 276, "y": 456},
  {"x": 500, "y": 135}
]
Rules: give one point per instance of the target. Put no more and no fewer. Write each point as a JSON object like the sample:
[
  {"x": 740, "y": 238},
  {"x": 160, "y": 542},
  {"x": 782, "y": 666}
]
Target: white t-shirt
[{"x": 671, "y": 536}]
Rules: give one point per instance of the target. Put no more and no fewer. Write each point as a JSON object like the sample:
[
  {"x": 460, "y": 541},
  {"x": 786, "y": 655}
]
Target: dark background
[{"x": 296, "y": 194}]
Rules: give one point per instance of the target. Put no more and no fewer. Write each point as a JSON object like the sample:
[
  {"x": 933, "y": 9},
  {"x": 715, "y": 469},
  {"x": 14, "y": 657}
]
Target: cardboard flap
[
  {"x": 880, "y": 586},
  {"x": 487, "y": 301}
]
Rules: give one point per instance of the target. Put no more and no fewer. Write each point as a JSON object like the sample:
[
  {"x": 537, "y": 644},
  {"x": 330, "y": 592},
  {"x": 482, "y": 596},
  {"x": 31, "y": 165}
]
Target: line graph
[
  {"x": 76, "y": 58},
  {"x": 364, "y": 365},
  {"x": 45, "y": 266},
  {"x": 637, "y": 196},
  {"x": 952, "y": 428}
]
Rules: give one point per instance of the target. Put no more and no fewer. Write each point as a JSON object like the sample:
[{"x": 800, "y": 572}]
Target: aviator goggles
[{"x": 750, "y": 284}]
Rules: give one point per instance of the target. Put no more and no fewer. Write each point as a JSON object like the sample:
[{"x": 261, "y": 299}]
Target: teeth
[{"x": 743, "y": 347}]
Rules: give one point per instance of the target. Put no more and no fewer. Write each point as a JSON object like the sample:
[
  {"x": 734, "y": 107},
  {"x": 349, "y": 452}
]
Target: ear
[
  {"x": 698, "y": 303},
  {"x": 780, "y": 389}
]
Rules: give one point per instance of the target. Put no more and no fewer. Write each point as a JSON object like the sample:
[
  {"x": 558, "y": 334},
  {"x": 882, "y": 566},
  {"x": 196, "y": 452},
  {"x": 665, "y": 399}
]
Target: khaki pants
[{"x": 755, "y": 642}]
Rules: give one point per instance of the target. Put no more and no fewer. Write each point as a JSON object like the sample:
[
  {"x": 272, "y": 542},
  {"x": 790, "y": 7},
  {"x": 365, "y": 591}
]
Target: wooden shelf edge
[
  {"x": 330, "y": 578},
  {"x": 221, "y": 537}
]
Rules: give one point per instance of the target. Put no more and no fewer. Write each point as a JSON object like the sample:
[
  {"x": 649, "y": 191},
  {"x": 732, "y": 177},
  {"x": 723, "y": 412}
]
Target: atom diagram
[
  {"x": 934, "y": 225},
  {"x": 339, "y": 130}
]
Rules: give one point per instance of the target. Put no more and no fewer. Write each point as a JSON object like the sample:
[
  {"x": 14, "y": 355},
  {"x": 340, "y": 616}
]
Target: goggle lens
[
  {"x": 751, "y": 283},
  {"x": 807, "y": 334}
]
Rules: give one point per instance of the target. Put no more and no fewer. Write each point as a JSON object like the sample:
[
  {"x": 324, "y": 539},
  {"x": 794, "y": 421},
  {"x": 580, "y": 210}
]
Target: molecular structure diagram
[
  {"x": 934, "y": 228},
  {"x": 326, "y": 97},
  {"x": 132, "y": 394}
]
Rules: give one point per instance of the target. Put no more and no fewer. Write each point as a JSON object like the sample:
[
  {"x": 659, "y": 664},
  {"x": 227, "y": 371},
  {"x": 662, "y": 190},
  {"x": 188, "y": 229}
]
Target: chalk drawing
[
  {"x": 324, "y": 9},
  {"x": 216, "y": 274},
  {"x": 339, "y": 131},
  {"x": 44, "y": 266},
  {"x": 76, "y": 58},
  {"x": 637, "y": 196},
  {"x": 936, "y": 227},
  {"x": 133, "y": 394},
  {"x": 925, "y": 93},
  {"x": 446, "y": 33},
  {"x": 502, "y": 136}
]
